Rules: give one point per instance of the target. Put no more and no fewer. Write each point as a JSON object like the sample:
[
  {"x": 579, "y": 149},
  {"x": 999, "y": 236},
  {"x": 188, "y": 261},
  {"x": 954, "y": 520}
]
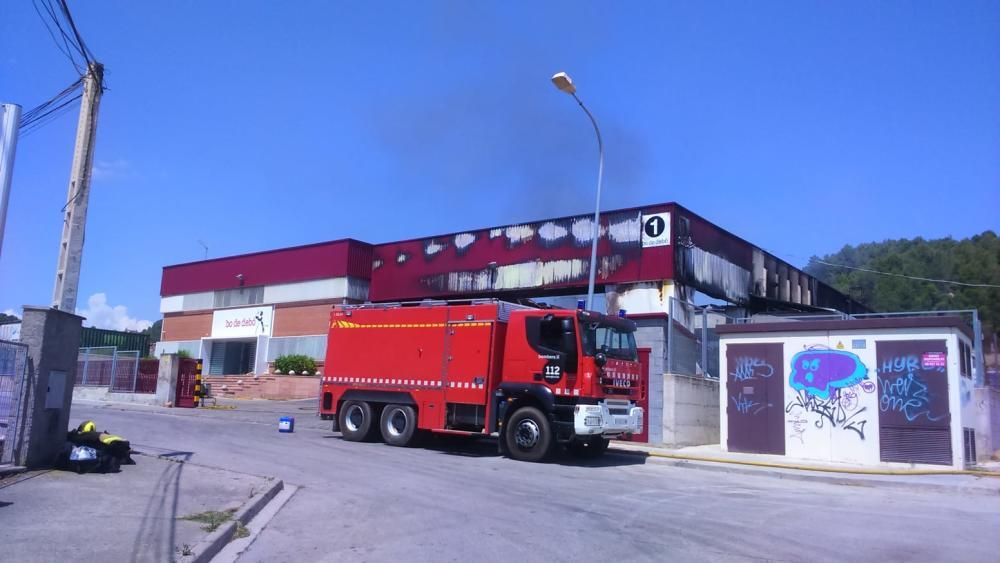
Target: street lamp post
[{"x": 564, "y": 83}]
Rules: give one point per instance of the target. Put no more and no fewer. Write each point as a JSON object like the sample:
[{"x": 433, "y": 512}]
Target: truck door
[{"x": 466, "y": 370}]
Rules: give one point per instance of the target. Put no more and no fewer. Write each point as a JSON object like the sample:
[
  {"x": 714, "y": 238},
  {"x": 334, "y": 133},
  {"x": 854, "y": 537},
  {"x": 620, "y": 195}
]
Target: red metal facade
[
  {"x": 529, "y": 259},
  {"x": 315, "y": 261},
  {"x": 553, "y": 254}
]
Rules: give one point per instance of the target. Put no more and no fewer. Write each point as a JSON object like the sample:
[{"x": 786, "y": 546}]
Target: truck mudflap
[{"x": 608, "y": 418}]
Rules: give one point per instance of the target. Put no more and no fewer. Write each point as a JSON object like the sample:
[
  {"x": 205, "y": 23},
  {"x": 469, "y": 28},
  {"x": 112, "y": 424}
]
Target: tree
[
  {"x": 974, "y": 260},
  {"x": 154, "y": 331},
  {"x": 7, "y": 319}
]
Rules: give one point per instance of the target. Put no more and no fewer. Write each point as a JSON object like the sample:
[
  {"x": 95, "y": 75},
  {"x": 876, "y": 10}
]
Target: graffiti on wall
[
  {"x": 746, "y": 405},
  {"x": 747, "y": 369},
  {"x": 828, "y": 383},
  {"x": 904, "y": 390}
]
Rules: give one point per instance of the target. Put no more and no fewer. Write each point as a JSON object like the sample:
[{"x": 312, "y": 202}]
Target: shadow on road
[
  {"x": 152, "y": 541},
  {"x": 481, "y": 447},
  {"x": 609, "y": 459}
]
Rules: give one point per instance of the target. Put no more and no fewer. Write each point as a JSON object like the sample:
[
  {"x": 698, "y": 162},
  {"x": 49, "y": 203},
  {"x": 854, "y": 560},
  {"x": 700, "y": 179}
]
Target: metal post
[
  {"x": 704, "y": 342},
  {"x": 135, "y": 372},
  {"x": 10, "y": 117},
  {"x": 670, "y": 335},
  {"x": 75, "y": 218},
  {"x": 596, "y": 227},
  {"x": 114, "y": 369},
  {"x": 86, "y": 362},
  {"x": 977, "y": 334}
]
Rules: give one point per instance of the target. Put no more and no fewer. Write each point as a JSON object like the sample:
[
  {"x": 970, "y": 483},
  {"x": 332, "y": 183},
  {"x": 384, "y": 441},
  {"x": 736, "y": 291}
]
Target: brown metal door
[
  {"x": 755, "y": 398},
  {"x": 185, "y": 383},
  {"x": 914, "y": 418},
  {"x": 641, "y": 397}
]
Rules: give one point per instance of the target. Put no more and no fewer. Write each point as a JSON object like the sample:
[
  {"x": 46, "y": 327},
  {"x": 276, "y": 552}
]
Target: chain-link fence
[
  {"x": 13, "y": 373},
  {"x": 126, "y": 367},
  {"x": 119, "y": 371},
  {"x": 692, "y": 342},
  {"x": 95, "y": 366}
]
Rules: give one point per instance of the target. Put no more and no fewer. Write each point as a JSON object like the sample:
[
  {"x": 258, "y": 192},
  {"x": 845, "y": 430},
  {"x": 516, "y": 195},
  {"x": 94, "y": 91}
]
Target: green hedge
[{"x": 301, "y": 365}]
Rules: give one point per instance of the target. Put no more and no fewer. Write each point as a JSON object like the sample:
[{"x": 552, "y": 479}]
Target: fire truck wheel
[
  {"x": 398, "y": 425},
  {"x": 528, "y": 435},
  {"x": 355, "y": 418},
  {"x": 591, "y": 447}
]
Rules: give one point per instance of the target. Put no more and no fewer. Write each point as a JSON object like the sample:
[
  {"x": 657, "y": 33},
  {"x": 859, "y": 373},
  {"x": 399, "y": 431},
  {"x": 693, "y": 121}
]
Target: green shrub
[
  {"x": 183, "y": 353},
  {"x": 295, "y": 362}
]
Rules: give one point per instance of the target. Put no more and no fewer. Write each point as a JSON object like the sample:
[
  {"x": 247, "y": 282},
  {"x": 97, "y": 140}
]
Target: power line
[
  {"x": 64, "y": 47},
  {"x": 918, "y": 278},
  {"x": 50, "y": 109},
  {"x": 60, "y": 19}
]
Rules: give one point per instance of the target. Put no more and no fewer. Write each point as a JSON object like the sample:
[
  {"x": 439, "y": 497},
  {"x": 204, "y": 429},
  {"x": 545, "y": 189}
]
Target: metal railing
[
  {"x": 95, "y": 366},
  {"x": 692, "y": 342},
  {"x": 119, "y": 371},
  {"x": 13, "y": 375}
]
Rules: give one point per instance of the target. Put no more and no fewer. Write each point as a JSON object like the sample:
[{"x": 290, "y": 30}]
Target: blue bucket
[{"x": 286, "y": 424}]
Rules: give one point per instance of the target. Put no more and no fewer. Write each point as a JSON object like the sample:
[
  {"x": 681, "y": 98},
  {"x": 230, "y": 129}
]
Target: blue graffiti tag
[
  {"x": 820, "y": 371},
  {"x": 748, "y": 368},
  {"x": 744, "y": 405},
  {"x": 907, "y": 395}
]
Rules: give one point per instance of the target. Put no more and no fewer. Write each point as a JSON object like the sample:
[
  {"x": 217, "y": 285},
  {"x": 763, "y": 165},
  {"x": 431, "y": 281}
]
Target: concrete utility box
[{"x": 893, "y": 392}]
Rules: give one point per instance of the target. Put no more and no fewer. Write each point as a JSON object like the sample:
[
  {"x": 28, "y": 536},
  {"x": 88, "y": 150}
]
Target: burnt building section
[
  {"x": 646, "y": 256},
  {"x": 724, "y": 266}
]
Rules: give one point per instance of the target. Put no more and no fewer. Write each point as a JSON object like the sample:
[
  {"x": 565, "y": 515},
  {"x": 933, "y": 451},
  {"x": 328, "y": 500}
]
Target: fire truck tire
[
  {"x": 398, "y": 425},
  {"x": 356, "y": 420},
  {"x": 528, "y": 435},
  {"x": 591, "y": 447}
]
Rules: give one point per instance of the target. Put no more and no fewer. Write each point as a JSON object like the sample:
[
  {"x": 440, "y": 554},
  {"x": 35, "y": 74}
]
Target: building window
[
  {"x": 965, "y": 358},
  {"x": 312, "y": 346},
  {"x": 239, "y": 297}
]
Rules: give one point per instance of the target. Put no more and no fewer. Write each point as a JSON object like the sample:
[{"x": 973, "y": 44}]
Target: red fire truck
[{"x": 533, "y": 377}]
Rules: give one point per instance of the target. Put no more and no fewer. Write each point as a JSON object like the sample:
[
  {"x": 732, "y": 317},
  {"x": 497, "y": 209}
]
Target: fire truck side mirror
[
  {"x": 600, "y": 359},
  {"x": 568, "y": 345}
]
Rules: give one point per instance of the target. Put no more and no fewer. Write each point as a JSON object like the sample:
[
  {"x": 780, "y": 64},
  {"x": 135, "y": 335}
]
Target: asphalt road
[{"x": 456, "y": 500}]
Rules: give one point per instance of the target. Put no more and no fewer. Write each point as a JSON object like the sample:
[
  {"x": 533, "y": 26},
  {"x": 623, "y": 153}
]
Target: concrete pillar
[
  {"x": 783, "y": 283},
  {"x": 53, "y": 339},
  {"x": 166, "y": 379}
]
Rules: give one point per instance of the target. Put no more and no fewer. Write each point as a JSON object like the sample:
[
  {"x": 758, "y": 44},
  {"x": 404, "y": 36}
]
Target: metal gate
[
  {"x": 13, "y": 373},
  {"x": 185, "y": 397},
  {"x": 642, "y": 396}
]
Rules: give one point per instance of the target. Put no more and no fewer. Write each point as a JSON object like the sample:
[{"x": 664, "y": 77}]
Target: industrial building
[{"x": 240, "y": 313}]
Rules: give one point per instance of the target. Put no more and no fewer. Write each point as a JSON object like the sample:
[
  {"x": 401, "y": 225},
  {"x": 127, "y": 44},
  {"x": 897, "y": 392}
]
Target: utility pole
[
  {"x": 10, "y": 116},
  {"x": 75, "y": 210}
]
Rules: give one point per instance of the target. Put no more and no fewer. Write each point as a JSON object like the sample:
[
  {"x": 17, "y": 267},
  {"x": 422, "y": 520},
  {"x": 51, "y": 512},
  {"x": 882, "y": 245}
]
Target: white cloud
[
  {"x": 107, "y": 169},
  {"x": 101, "y": 315}
]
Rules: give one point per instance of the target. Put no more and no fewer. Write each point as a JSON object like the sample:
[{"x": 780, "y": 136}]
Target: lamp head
[{"x": 564, "y": 82}]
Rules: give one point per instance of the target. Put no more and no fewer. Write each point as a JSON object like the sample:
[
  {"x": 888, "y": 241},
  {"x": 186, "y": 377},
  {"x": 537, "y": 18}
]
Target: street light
[{"x": 565, "y": 84}]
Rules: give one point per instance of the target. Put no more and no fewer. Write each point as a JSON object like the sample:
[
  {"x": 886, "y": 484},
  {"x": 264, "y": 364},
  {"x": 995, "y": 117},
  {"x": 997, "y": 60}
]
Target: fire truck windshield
[{"x": 614, "y": 342}]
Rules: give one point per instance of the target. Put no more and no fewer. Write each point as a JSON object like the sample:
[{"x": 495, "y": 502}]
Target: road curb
[
  {"x": 826, "y": 476},
  {"x": 209, "y": 547}
]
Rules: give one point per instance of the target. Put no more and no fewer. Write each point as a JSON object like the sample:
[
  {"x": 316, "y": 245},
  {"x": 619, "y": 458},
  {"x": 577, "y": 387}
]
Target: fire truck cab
[{"x": 532, "y": 377}]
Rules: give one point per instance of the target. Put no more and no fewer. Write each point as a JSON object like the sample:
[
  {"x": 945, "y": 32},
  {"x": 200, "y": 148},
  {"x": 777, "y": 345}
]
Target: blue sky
[{"x": 800, "y": 126}]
